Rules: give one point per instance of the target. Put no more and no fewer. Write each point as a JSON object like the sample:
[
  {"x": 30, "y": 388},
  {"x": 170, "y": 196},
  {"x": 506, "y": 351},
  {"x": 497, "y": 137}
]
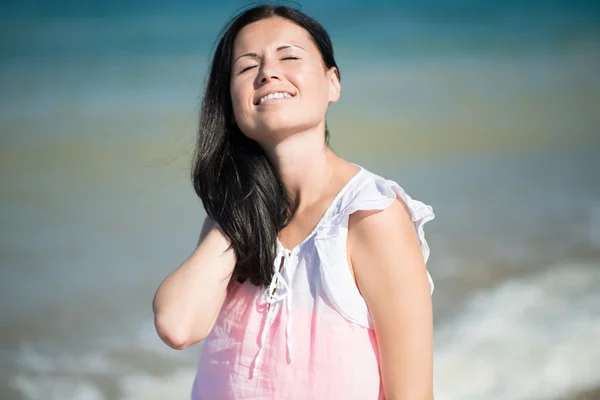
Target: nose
[{"x": 267, "y": 73}]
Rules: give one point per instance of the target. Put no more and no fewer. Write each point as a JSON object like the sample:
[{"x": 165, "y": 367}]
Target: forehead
[{"x": 271, "y": 32}]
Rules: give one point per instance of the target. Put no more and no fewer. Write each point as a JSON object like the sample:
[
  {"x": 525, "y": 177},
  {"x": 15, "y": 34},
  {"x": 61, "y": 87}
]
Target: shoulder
[
  {"x": 372, "y": 192},
  {"x": 378, "y": 221},
  {"x": 382, "y": 231},
  {"x": 381, "y": 213},
  {"x": 386, "y": 245},
  {"x": 367, "y": 191},
  {"x": 376, "y": 202}
]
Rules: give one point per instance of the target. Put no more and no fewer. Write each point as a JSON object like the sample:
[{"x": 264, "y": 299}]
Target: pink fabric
[
  {"x": 332, "y": 358},
  {"x": 322, "y": 348}
]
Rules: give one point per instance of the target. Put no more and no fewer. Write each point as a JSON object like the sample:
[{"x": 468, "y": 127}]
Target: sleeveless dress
[{"x": 308, "y": 336}]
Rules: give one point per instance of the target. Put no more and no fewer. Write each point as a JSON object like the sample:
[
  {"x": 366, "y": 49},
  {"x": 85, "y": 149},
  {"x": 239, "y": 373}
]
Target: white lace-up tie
[{"x": 274, "y": 296}]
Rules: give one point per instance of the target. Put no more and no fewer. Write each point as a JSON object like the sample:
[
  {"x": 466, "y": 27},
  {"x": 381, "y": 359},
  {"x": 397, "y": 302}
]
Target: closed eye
[
  {"x": 253, "y": 66},
  {"x": 246, "y": 69}
]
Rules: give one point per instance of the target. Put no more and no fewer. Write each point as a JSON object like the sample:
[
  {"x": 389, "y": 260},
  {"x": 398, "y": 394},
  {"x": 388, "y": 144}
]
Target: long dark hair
[{"x": 231, "y": 173}]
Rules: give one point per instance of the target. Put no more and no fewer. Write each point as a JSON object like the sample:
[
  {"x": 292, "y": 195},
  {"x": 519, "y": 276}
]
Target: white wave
[
  {"x": 532, "y": 338},
  {"x": 34, "y": 360},
  {"x": 177, "y": 386},
  {"x": 47, "y": 372},
  {"x": 51, "y": 387},
  {"x": 136, "y": 386},
  {"x": 535, "y": 338}
]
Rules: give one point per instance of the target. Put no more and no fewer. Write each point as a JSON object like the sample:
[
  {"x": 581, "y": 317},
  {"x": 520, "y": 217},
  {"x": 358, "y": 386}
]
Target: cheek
[
  {"x": 314, "y": 88},
  {"x": 236, "y": 100},
  {"x": 313, "y": 83},
  {"x": 242, "y": 115},
  {"x": 241, "y": 90}
]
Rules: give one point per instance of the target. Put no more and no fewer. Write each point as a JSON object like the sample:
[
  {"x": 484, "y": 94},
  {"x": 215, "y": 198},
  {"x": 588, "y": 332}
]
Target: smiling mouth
[{"x": 272, "y": 96}]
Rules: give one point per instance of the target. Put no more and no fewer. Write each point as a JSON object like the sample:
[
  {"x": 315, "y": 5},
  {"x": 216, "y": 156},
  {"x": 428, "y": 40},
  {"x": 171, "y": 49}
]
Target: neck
[{"x": 305, "y": 165}]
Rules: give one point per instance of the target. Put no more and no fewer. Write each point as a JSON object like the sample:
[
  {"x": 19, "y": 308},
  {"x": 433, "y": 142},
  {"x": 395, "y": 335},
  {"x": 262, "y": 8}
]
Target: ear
[{"x": 335, "y": 87}]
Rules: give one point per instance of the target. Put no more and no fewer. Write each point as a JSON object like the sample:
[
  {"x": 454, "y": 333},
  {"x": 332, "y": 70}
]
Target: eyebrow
[{"x": 278, "y": 49}]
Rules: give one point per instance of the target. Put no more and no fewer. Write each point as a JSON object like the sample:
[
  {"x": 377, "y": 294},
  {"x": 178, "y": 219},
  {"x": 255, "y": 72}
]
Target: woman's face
[{"x": 279, "y": 84}]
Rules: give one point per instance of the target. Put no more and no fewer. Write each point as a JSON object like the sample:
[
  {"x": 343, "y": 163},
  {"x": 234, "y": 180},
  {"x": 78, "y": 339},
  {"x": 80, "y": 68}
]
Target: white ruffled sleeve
[
  {"x": 374, "y": 193},
  {"x": 420, "y": 214}
]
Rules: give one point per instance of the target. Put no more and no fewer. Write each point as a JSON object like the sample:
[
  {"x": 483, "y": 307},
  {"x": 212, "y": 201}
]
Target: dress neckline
[{"x": 325, "y": 214}]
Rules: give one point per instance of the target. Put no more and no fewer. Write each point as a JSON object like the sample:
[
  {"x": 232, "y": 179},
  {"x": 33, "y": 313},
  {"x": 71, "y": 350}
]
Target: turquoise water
[
  {"x": 493, "y": 63},
  {"x": 488, "y": 111},
  {"x": 388, "y": 29}
]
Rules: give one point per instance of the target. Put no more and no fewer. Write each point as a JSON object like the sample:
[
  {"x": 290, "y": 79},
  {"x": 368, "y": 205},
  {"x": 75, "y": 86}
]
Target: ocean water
[{"x": 487, "y": 111}]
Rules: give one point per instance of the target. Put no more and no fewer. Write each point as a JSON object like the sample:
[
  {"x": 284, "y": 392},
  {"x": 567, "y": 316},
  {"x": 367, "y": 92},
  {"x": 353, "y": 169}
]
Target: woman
[{"x": 309, "y": 278}]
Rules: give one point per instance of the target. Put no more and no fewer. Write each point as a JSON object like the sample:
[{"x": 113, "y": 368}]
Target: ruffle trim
[{"x": 372, "y": 193}]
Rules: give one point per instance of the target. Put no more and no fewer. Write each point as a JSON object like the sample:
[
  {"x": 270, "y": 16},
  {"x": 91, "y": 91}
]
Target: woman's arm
[
  {"x": 391, "y": 275},
  {"x": 188, "y": 301}
]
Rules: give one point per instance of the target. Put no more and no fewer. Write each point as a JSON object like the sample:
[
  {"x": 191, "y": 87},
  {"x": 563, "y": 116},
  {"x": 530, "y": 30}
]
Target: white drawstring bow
[{"x": 278, "y": 291}]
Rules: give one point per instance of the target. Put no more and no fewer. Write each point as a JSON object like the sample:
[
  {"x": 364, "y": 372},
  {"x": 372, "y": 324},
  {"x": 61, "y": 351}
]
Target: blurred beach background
[{"x": 487, "y": 110}]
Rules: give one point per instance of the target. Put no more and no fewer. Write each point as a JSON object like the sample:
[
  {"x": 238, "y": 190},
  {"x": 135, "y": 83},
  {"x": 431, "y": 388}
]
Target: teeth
[{"x": 276, "y": 95}]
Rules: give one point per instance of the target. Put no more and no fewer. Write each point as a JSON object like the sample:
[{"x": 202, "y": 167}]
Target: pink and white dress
[{"x": 308, "y": 336}]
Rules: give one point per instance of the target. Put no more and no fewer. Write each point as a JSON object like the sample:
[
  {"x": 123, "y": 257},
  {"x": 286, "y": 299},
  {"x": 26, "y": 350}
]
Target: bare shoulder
[
  {"x": 383, "y": 244},
  {"x": 373, "y": 225}
]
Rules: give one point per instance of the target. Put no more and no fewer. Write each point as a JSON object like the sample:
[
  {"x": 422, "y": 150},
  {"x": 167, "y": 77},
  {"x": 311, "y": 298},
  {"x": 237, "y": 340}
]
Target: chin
[
  {"x": 277, "y": 121},
  {"x": 276, "y": 128},
  {"x": 271, "y": 134}
]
